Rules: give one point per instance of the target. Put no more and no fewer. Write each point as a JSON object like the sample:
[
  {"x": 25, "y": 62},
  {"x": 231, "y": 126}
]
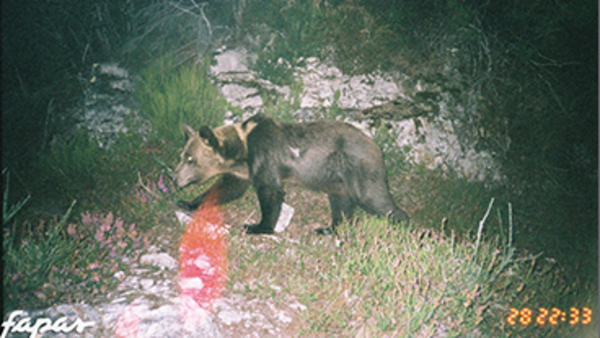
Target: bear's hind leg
[
  {"x": 342, "y": 208},
  {"x": 378, "y": 201}
]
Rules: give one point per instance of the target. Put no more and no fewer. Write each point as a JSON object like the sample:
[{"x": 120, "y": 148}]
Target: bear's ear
[
  {"x": 207, "y": 134},
  {"x": 188, "y": 131}
]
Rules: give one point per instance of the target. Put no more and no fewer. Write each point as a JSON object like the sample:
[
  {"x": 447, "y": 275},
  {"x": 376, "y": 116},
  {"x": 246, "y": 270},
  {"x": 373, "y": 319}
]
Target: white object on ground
[{"x": 284, "y": 218}]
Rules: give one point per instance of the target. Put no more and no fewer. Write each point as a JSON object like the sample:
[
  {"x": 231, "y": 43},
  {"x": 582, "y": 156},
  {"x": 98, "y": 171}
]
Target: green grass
[
  {"x": 98, "y": 178},
  {"x": 401, "y": 281},
  {"x": 123, "y": 193},
  {"x": 295, "y": 33},
  {"x": 343, "y": 31},
  {"x": 79, "y": 159},
  {"x": 170, "y": 95}
]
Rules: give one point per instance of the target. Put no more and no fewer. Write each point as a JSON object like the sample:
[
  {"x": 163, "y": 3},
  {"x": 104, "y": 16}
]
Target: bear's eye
[{"x": 189, "y": 159}]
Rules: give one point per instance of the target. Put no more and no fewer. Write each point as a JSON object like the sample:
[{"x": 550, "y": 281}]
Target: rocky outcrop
[{"x": 420, "y": 114}]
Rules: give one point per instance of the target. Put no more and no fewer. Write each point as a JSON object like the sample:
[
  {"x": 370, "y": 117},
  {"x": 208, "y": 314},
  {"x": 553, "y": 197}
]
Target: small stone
[
  {"x": 298, "y": 306},
  {"x": 120, "y": 275},
  {"x": 230, "y": 316},
  {"x": 183, "y": 217},
  {"x": 284, "y": 318},
  {"x": 146, "y": 283},
  {"x": 162, "y": 260}
]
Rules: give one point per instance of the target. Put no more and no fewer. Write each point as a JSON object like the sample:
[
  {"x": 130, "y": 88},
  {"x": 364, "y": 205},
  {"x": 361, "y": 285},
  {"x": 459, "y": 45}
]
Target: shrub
[{"x": 149, "y": 203}]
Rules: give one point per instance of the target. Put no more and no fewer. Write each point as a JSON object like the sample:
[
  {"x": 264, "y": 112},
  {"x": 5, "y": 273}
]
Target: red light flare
[{"x": 203, "y": 256}]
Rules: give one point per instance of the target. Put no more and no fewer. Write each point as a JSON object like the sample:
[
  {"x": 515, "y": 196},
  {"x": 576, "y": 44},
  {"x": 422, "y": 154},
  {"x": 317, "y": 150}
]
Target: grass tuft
[{"x": 170, "y": 95}]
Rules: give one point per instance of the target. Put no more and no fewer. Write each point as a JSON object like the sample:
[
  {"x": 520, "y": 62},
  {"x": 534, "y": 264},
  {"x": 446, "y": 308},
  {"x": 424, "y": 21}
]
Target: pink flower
[
  {"x": 99, "y": 236},
  {"x": 120, "y": 230},
  {"x": 107, "y": 222},
  {"x": 71, "y": 230},
  {"x": 161, "y": 185},
  {"x": 86, "y": 218},
  {"x": 132, "y": 233}
]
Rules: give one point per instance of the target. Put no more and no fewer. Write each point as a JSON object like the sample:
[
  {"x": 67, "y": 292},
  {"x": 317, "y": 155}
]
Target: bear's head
[
  {"x": 200, "y": 158},
  {"x": 209, "y": 152}
]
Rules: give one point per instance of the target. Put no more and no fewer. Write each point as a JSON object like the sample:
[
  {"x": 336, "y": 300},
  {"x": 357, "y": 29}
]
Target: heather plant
[
  {"x": 149, "y": 193},
  {"x": 109, "y": 233},
  {"x": 62, "y": 262},
  {"x": 150, "y": 201},
  {"x": 28, "y": 262},
  {"x": 105, "y": 246}
]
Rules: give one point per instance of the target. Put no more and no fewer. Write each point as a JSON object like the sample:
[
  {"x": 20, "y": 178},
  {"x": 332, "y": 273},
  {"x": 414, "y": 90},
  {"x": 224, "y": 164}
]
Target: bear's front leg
[{"x": 270, "y": 199}]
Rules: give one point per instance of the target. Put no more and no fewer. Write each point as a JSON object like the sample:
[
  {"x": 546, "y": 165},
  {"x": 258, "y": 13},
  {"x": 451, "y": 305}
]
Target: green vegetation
[
  {"x": 433, "y": 277},
  {"x": 295, "y": 34},
  {"x": 451, "y": 272},
  {"x": 46, "y": 263},
  {"x": 77, "y": 257},
  {"x": 401, "y": 281},
  {"x": 80, "y": 158},
  {"x": 171, "y": 95}
]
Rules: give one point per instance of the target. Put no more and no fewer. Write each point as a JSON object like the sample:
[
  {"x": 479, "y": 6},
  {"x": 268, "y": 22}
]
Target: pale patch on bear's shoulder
[
  {"x": 244, "y": 130},
  {"x": 295, "y": 151}
]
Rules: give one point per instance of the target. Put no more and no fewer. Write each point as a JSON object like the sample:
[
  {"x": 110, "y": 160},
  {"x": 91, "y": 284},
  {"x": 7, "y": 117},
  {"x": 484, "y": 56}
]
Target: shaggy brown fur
[{"x": 327, "y": 156}]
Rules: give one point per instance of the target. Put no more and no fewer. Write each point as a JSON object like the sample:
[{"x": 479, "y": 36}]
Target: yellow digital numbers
[
  {"x": 586, "y": 318},
  {"x": 541, "y": 318},
  {"x": 525, "y": 316},
  {"x": 514, "y": 314},
  {"x": 574, "y": 316},
  {"x": 554, "y": 316}
]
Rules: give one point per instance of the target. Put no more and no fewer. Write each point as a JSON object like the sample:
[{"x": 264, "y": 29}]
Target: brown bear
[{"x": 327, "y": 156}]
